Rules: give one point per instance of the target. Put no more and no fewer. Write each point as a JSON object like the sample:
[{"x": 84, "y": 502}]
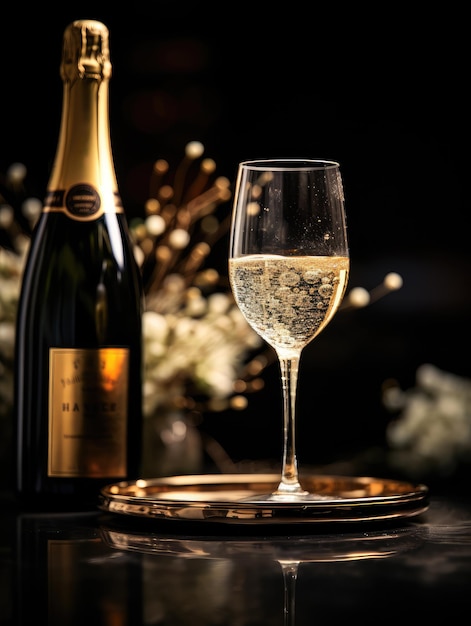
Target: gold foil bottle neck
[{"x": 85, "y": 52}]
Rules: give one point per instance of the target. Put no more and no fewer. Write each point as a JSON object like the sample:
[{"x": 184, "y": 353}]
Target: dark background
[{"x": 383, "y": 92}]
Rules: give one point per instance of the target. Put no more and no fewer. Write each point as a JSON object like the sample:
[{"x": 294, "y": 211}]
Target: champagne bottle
[{"x": 78, "y": 378}]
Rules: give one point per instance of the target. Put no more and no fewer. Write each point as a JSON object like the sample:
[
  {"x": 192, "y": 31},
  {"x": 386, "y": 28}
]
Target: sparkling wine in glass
[{"x": 288, "y": 268}]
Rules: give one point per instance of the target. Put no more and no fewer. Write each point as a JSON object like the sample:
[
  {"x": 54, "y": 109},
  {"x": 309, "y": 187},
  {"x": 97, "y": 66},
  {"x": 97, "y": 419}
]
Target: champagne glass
[{"x": 288, "y": 268}]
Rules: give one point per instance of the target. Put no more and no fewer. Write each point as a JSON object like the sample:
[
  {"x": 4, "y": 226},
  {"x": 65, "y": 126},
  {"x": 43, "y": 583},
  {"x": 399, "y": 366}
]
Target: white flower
[
  {"x": 202, "y": 346},
  {"x": 11, "y": 269},
  {"x": 433, "y": 430}
]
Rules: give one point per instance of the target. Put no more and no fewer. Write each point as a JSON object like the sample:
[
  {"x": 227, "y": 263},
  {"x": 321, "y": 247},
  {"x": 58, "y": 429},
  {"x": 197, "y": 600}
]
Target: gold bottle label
[
  {"x": 81, "y": 202},
  {"x": 88, "y": 400}
]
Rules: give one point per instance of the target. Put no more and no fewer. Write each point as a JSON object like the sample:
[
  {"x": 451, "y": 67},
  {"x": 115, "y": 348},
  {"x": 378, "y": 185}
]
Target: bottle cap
[{"x": 85, "y": 52}]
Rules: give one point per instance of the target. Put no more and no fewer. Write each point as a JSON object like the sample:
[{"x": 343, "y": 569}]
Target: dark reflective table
[{"x": 95, "y": 567}]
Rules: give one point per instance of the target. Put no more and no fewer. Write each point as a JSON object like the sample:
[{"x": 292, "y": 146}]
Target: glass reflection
[{"x": 242, "y": 579}]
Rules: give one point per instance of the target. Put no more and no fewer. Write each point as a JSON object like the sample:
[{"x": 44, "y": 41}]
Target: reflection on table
[{"x": 95, "y": 567}]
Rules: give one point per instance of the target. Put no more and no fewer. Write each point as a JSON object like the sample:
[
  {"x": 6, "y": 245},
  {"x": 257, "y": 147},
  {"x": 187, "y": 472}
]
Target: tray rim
[{"x": 411, "y": 501}]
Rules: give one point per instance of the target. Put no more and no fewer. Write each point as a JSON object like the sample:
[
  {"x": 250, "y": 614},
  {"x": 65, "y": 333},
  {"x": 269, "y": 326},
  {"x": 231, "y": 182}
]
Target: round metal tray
[{"x": 245, "y": 499}]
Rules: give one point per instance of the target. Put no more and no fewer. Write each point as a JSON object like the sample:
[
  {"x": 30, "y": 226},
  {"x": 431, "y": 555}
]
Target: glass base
[{"x": 287, "y": 497}]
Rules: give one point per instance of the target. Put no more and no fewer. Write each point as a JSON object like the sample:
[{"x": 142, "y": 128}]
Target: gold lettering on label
[{"x": 88, "y": 400}]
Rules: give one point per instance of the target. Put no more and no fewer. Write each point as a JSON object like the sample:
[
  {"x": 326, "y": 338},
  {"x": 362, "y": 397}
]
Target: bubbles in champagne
[{"x": 288, "y": 300}]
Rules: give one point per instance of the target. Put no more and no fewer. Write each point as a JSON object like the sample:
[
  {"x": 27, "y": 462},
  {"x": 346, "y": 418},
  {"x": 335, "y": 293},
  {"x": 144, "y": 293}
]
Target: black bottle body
[
  {"x": 81, "y": 291},
  {"x": 78, "y": 388}
]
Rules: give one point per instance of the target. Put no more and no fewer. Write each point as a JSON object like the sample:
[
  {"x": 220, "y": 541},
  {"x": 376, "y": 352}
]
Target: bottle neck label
[{"x": 81, "y": 202}]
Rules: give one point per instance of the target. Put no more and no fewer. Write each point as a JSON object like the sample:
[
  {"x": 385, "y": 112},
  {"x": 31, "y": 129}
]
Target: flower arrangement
[
  {"x": 431, "y": 434},
  {"x": 14, "y": 244},
  {"x": 196, "y": 342}
]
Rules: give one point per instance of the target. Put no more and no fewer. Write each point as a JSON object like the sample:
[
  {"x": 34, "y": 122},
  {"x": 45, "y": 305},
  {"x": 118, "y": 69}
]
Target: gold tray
[{"x": 243, "y": 499}]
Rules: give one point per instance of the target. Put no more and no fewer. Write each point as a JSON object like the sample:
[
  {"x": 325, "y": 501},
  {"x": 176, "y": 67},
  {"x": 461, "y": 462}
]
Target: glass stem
[
  {"x": 290, "y": 574},
  {"x": 289, "y": 472}
]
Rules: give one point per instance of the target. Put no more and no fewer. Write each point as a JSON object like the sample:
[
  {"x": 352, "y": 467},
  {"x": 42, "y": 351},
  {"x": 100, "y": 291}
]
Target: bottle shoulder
[
  {"x": 66, "y": 230},
  {"x": 67, "y": 254}
]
